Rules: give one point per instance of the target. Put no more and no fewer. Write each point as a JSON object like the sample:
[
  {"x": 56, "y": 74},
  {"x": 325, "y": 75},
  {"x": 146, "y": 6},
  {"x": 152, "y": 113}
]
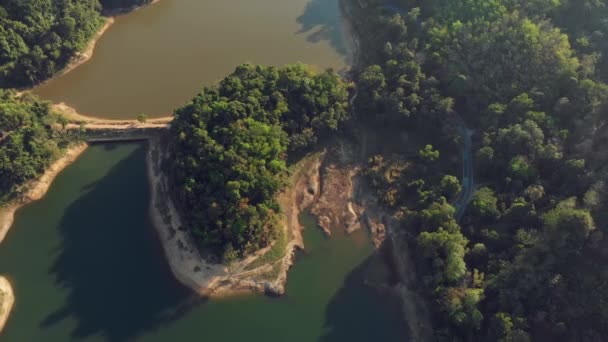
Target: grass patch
[
  {"x": 276, "y": 252},
  {"x": 272, "y": 274}
]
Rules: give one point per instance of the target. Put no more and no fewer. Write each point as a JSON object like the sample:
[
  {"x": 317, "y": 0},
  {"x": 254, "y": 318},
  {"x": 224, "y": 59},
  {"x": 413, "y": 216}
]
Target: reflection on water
[
  {"x": 86, "y": 266},
  {"x": 321, "y": 22},
  {"x": 155, "y": 59}
]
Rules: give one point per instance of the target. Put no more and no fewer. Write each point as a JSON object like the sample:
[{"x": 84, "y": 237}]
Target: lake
[
  {"x": 156, "y": 59},
  {"x": 86, "y": 265}
]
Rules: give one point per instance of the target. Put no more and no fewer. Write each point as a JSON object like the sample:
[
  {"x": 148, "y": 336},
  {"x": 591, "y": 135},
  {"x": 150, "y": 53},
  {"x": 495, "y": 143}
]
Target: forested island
[{"x": 513, "y": 251}]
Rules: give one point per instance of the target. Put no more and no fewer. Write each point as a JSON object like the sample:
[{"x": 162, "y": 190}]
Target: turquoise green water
[{"x": 86, "y": 266}]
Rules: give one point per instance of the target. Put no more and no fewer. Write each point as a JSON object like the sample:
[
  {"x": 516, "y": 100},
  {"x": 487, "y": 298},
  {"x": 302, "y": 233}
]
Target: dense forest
[
  {"x": 526, "y": 261},
  {"x": 31, "y": 138},
  {"x": 523, "y": 261},
  {"x": 38, "y": 38},
  {"x": 229, "y": 147}
]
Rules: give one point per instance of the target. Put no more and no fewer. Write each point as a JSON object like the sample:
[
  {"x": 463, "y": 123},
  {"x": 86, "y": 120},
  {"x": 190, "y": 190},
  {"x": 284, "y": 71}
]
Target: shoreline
[
  {"x": 84, "y": 56},
  {"x": 37, "y": 188},
  {"x": 186, "y": 263},
  {"x": 72, "y": 115},
  {"x": 77, "y": 60},
  {"x": 7, "y": 300}
]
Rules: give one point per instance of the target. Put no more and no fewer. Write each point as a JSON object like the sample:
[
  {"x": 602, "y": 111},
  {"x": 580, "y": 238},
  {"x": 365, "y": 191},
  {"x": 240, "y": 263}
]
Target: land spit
[{"x": 328, "y": 184}]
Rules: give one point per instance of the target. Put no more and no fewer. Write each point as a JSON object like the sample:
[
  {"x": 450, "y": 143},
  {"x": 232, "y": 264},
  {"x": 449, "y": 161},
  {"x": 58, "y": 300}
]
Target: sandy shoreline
[
  {"x": 37, "y": 188},
  {"x": 72, "y": 115},
  {"x": 7, "y": 299}
]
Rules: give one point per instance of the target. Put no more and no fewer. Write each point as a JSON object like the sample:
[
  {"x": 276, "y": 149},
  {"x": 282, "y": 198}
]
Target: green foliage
[
  {"x": 484, "y": 203},
  {"x": 31, "y": 138},
  {"x": 460, "y": 305},
  {"x": 428, "y": 154},
  {"x": 526, "y": 77},
  {"x": 450, "y": 186},
  {"x": 445, "y": 250},
  {"x": 38, "y": 38},
  {"x": 229, "y": 147}
]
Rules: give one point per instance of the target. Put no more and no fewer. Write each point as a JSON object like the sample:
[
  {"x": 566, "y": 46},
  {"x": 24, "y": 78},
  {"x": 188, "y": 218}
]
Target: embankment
[
  {"x": 189, "y": 266},
  {"x": 36, "y": 190},
  {"x": 7, "y": 299}
]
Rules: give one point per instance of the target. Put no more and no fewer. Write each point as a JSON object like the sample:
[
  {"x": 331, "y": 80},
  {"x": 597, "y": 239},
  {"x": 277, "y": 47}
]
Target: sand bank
[
  {"x": 7, "y": 299},
  {"x": 36, "y": 189}
]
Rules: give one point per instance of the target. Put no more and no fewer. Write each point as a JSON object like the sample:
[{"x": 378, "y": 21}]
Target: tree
[
  {"x": 450, "y": 186},
  {"x": 38, "y": 38},
  {"x": 229, "y": 148},
  {"x": 30, "y": 140},
  {"x": 483, "y": 204},
  {"x": 428, "y": 153},
  {"x": 445, "y": 251}
]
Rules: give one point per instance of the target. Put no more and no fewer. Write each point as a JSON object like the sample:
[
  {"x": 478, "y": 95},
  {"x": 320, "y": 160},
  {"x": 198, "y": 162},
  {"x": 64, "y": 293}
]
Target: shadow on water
[
  {"x": 110, "y": 262},
  {"x": 368, "y": 291},
  {"x": 321, "y": 21}
]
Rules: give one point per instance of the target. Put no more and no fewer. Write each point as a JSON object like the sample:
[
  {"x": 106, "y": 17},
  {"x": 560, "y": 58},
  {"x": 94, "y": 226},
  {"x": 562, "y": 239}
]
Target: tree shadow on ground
[
  {"x": 367, "y": 291},
  {"x": 321, "y": 21},
  {"x": 111, "y": 263}
]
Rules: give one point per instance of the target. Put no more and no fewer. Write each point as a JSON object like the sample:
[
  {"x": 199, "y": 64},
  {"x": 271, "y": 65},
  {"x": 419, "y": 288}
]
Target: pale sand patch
[
  {"x": 72, "y": 115},
  {"x": 7, "y": 299},
  {"x": 38, "y": 188}
]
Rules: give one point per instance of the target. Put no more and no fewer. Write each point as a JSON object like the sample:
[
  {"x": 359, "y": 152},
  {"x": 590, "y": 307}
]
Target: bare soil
[{"x": 7, "y": 299}]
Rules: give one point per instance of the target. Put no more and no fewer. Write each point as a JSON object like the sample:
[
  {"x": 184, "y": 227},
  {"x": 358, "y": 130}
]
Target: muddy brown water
[{"x": 157, "y": 58}]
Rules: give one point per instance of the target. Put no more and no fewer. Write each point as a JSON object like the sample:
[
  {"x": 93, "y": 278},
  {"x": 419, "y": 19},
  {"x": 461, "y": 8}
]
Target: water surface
[
  {"x": 157, "y": 58},
  {"x": 86, "y": 266}
]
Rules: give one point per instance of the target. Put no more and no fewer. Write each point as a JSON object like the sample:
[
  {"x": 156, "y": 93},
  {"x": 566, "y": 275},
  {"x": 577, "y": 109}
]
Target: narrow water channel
[
  {"x": 86, "y": 266},
  {"x": 157, "y": 58}
]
